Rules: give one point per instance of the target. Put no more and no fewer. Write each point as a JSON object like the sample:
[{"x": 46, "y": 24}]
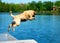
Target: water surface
[{"x": 44, "y": 29}]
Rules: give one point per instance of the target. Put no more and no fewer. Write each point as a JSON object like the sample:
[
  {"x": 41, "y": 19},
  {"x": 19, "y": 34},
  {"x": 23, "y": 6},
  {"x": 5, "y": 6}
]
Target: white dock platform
[
  {"x": 7, "y": 38},
  {"x": 20, "y": 41}
]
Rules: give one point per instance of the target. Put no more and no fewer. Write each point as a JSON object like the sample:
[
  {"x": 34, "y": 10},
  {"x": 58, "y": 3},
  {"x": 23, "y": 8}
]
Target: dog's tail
[{"x": 11, "y": 14}]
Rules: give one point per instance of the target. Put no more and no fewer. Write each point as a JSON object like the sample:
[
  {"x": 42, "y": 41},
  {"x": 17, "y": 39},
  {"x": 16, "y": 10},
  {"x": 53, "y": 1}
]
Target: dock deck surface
[{"x": 7, "y": 38}]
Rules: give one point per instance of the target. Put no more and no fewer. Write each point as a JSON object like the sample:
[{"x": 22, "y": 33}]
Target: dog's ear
[{"x": 27, "y": 16}]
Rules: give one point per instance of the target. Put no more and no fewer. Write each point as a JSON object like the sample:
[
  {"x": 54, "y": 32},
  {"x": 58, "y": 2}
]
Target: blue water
[{"x": 44, "y": 29}]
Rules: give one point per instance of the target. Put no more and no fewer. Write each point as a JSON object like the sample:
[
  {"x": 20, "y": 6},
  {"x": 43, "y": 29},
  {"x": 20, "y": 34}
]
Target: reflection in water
[{"x": 44, "y": 29}]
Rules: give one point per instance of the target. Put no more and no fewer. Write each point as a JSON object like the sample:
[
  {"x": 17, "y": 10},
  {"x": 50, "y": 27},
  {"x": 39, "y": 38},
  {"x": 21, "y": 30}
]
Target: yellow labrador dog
[{"x": 26, "y": 15}]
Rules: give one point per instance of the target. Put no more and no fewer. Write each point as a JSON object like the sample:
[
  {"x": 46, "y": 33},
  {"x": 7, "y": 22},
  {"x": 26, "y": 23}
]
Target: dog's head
[
  {"x": 30, "y": 14},
  {"x": 33, "y": 13}
]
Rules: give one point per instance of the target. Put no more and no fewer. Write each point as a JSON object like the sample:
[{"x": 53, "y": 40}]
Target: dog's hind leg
[
  {"x": 9, "y": 27},
  {"x": 13, "y": 27}
]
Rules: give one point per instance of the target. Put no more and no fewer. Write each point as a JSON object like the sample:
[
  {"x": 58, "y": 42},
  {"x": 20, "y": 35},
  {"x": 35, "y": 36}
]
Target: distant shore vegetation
[{"x": 42, "y": 7}]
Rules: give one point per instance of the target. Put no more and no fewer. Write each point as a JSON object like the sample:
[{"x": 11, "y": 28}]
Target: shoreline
[{"x": 38, "y": 13}]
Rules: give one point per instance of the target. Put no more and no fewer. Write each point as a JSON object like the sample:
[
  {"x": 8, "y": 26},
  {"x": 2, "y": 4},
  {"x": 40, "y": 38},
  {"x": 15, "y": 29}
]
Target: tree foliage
[{"x": 37, "y": 6}]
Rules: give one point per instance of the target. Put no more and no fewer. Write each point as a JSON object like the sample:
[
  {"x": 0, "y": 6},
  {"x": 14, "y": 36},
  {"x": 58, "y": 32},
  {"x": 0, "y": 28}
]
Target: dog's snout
[{"x": 33, "y": 15}]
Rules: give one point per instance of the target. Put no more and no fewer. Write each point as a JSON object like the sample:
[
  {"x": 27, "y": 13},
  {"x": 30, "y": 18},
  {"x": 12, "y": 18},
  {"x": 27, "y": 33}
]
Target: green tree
[
  {"x": 0, "y": 5},
  {"x": 57, "y": 3},
  {"x": 39, "y": 6},
  {"x": 48, "y": 5},
  {"x": 32, "y": 5}
]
